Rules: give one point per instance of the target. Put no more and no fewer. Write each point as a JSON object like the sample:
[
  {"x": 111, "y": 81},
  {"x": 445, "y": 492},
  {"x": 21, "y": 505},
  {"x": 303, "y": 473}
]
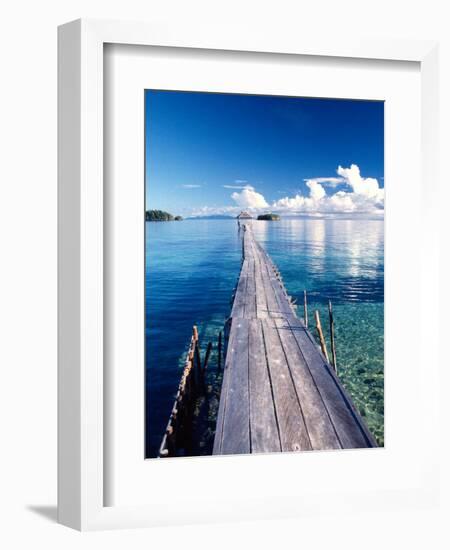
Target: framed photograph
[
  {"x": 244, "y": 229},
  {"x": 279, "y": 389}
]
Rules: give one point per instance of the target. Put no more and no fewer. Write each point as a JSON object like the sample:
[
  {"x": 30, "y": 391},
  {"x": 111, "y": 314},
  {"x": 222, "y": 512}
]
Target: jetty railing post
[
  {"x": 179, "y": 430},
  {"x": 205, "y": 366},
  {"x": 198, "y": 366},
  {"x": 219, "y": 352},
  {"x": 305, "y": 308},
  {"x": 198, "y": 362},
  {"x": 323, "y": 345},
  {"x": 205, "y": 362},
  {"x": 191, "y": 358},
  {"x": 332, "y": 340}
]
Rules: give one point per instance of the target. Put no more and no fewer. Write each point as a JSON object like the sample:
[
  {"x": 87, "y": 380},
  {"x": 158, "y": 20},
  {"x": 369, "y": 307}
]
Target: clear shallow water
[{"x": 192, "y": 268}]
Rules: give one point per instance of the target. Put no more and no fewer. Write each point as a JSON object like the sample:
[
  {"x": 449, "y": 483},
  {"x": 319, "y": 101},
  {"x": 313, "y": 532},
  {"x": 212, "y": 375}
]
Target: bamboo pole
[
  {"x": 305, "y": 308},
  {"x": 333, "y": 343},
  {"x": 323, "y": 344}
]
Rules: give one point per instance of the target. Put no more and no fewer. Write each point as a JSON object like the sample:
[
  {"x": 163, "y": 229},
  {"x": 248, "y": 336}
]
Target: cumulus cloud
[
  {"x": 368, "y": 187},
  {"x": 249, "y": 198},
  {"x": 316, "y": 190},
  {"x": 327, "y": 181},
  {"x": 359, "y": 195},
  {"x": 365, "y": 197}
]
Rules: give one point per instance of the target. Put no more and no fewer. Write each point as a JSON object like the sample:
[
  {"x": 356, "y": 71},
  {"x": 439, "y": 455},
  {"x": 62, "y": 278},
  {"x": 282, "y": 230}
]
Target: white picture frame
[{"x": 81, "y": 480}]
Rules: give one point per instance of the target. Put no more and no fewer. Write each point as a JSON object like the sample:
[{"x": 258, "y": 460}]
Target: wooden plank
[
  {"x": 318, "y": 422},
  {"x": 278, "y": 393},
  {"x": 250, "y": 302},
  {"x": 347, "y": 422},
  {"x": 277, "y": 287},
  {"x": 238, "y": 308},
  {"x": 279, "y": 291},
  {"x": 218, "y": 436},
  {"x": 273, "y": 307},
  {"x": 263, "y": 423},
  {"x": 292, "y": 429},
  {"x": 236, "y": 420},
  {"x": 262, "y": 310},
  {"x": 247, "y": 243}
]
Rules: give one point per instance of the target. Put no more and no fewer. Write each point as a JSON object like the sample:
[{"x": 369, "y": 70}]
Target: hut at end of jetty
[{"x": 244, "y": 215}]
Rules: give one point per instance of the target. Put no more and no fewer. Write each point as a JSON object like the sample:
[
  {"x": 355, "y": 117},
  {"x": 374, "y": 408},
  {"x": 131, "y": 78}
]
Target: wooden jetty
[{"x": 278, "y": 392}]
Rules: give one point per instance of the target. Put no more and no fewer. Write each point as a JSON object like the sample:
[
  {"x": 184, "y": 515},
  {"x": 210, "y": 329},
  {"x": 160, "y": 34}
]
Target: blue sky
[{"x": 220, "y": 153}]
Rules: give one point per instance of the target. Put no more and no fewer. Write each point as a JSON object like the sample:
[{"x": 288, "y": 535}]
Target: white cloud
[
  {"x": 190, "y": 186},
  {"x": 290, "y": 203},
  {"x": 365, "y": 197},
  {"x": 316, "y": 190},
  {"x": 368, "y": 187},
  {"x": 327, "y": 181},
  {"x": 237, "y": 186},
  {"x": 342, "y": 202},
  {"x": 215, "y": 210},
  {"x": 362, "y": 196},
  {"x": 249, "y": 198}
]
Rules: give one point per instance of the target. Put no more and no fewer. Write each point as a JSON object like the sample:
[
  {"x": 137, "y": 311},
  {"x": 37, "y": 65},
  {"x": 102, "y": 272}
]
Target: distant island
[
  {"x": 160, "y": 216},
  {"x": 269, "y": 217}
]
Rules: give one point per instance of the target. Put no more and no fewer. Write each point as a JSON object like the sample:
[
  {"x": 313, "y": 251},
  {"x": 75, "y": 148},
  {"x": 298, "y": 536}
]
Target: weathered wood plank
[
  {"x": 292, "y": 429},
  {"x": 278, "y": 393},
  {"x": 348, "y": 424},
  {"x": 239, "y": 301},
  {"x": 262, "y": 310},
  {"x": 273, "y": 308},
  {"x": 217, "y": 448},
  {"x": 279, "y": 292},
  {"x": 318, "y": 422},
  {"x": 248, "y": 242},
  {"x": 236, "y": 420},
  {"x": 250, "y": 303},
  {"x": 263, "y": 423}
]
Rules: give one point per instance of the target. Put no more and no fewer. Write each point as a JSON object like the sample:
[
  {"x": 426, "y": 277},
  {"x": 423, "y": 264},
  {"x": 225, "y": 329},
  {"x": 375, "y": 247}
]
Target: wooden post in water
[
  {"x": 333, "y": 343},
  {"x": 198, "y": 363},
  {"x": 191, "y": 358},
  {"x": 219, "y": 352},
  {"x": 205, "y": 366},
  {"x": 208, "y": 353},
  {"x": 323, "y": 345},
  {"x": 305, "y": 308}
]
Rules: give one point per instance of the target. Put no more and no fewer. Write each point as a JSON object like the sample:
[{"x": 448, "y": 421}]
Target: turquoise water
[{"x": 192, "y": 267}]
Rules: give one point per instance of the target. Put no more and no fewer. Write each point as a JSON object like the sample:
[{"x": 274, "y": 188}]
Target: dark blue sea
[{"x": 192, "y": 267}]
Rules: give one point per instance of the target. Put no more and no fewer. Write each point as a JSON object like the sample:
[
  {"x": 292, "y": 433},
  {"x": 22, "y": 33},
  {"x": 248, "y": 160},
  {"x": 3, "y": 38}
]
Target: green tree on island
[
  {"x": 160, "y": 216},
  {"x": 269, "y": 217}
]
